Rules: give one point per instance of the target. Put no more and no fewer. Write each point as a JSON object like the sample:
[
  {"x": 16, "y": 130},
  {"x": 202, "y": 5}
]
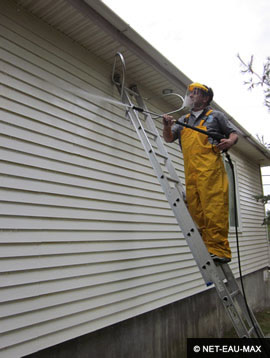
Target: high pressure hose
[
  {"x": 158, "y": 115},
  {"x": 237, "y": 240}
]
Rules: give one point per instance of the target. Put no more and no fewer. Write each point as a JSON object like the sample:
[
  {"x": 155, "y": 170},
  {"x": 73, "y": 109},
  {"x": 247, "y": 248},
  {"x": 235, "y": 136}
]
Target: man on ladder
[
  {"x": 208, "y": 159},
  {"x": 206, "y": 178}
]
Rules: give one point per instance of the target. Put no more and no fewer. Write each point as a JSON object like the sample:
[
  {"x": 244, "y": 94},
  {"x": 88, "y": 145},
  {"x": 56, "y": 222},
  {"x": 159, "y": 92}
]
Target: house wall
[
  {"x": 252, "y": 235},
  {"x": 87, "y": 236},
  {"x": 163, "y": 332}
]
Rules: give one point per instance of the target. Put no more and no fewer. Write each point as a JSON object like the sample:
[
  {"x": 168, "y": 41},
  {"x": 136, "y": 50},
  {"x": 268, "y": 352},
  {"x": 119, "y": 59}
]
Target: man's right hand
[{"x": 168, "y": 121}]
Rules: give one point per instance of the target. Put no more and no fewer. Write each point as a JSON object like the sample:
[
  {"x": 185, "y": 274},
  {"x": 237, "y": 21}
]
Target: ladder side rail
[
  {"x": 161, "y": 147},
  {"x": 234, "y": 287},
  {"x": 134, "y": 118},
  {"x": 218, "y": 278},
  {"x": 167, "y": 162},
  {"x": 236, "y": 319},
  {"x": 152, "y": 127}
]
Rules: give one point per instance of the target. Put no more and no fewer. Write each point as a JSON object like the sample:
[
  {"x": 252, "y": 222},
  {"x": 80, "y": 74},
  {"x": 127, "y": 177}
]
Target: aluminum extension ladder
[{"x": 220, "y": 275}]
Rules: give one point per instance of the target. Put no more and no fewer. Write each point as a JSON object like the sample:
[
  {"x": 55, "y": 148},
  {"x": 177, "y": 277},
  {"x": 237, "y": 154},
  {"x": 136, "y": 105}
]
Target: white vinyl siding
[
  {"x": 87, "y": 236},
  {"x": 253, "y": 238},
  {"x": 252, "y": 234}
]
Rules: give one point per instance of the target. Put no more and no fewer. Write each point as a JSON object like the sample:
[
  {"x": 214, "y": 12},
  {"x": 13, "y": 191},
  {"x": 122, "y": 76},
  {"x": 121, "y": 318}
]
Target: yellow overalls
[{"x": 206, "y": 189}]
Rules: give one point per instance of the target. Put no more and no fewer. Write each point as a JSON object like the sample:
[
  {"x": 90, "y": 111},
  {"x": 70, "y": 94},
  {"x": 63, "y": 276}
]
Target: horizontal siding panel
[
  {"x": 90, "y": 121},
  {"x": 76, "y": 91},
  {"x": 56, "y": 50},
  {"x": 94, "y": 298},
  {"x": 86, "y": 316},
  {"x": 75, "y": 248},
  {"x": 252, "y": 226},
  {"x": 251, "y": 205},
  {"x": 71, "y": 224},
  {"x": 256, "y": 214},
  {"x": 30, "y": 262},
  {"x": 31, "y": 298},
  {"x": 58, "y": 218},
  {"x": 68, "y": 223},
  {"x": 26, "y": 236},
  {"x": 71, "y": 133},
  {"x": 81, "y": 138},
  {"x": 68, "y": 333},
  {"x": 60, "y": 201},
  {"x": 253, "y": 262},
  {"x": 93, "y": 191},
  {"x": 85, "y": 146},
  {"x": 50, "y": 64},
  {"x": 249, "y": 264},
  {"x": 77, "y": 174},
  {"x": 249, "y": 196},
  {"x": 64, "y": 274},
  {"x": 83, "y": 135},
  {"x": 76, "y": 145},
  {"x": 50, "y": 159},
  {"x": 249, "y": 240},
  {"x": 254, "y": 249},
  {"x": 60, "y": 54}
]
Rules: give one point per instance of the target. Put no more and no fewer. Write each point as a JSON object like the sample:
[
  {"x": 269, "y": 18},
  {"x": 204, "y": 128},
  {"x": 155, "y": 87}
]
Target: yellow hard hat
[{"x": 197, "y": 85}]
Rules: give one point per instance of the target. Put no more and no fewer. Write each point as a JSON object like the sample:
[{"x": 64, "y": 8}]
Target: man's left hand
[{"x": 225, "y": 144}]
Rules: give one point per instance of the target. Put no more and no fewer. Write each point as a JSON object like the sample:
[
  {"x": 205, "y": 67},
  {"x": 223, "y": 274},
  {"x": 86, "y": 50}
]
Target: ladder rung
[
  {"x": 251, "y": 330},
  {"x": 164, "y": 156},
  {"x": 172, "y": 180},
  {"x": 150, "y": 132},
  {"x": 235, "y": 293}
]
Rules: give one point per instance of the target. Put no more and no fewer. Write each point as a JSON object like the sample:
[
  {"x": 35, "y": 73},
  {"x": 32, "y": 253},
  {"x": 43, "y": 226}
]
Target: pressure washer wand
[
  {"x": 215, "y": 135},
  {"x": 141, "y": 110}
]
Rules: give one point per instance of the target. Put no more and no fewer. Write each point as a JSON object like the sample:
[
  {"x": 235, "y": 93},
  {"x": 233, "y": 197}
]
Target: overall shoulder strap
[
  {"x": 187, "y": 117},
  {"x": 205, "y": 116}
]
